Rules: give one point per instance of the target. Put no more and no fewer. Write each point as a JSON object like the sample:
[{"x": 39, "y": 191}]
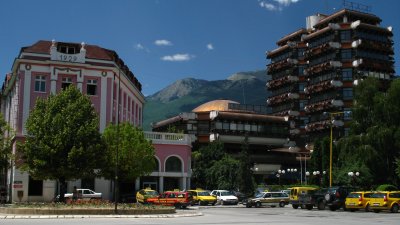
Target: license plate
[
  {"x": 352, "y": 203},
  {"x": 376, "y": 204}
]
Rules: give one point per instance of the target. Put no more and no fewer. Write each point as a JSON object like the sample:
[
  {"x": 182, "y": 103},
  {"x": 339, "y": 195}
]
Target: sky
[{"x": 162, "y": 41}]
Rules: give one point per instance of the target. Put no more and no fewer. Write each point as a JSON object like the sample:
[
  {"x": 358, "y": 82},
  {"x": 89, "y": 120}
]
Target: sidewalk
[{"x": 180, "y": 213}]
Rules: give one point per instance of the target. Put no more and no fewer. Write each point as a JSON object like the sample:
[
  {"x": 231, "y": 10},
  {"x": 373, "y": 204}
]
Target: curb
[{"x": 98, "y": 216}]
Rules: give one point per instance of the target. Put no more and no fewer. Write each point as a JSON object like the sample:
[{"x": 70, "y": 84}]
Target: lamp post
[
  {"x": 353, "y": 176},
  {"x": 279, "y": 174},
  {"x": 332, "y": 123},
  {"x": 292, "y": 171},
  {"x": 307, "y": 174}
]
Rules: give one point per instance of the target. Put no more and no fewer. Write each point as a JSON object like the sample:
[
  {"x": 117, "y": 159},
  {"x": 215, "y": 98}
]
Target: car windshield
[
  {"x": 203, "y": 193},
  {"x": 226, "y": 193},
  {"x": 378, "y": 195},
  {"x": 153, "y": 193},
  {"x": 354, "y": 195},
  {"x": 259, "y": 195}
]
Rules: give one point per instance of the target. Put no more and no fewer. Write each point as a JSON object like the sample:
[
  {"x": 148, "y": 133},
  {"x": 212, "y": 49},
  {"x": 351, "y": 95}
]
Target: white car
[
  {"x": 85, "y": 194},
  {"x": 225, "y": 197}
]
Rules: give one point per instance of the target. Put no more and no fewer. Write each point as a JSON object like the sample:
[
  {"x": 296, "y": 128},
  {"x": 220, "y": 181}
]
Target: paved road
[{"x": 236, "y": 216}]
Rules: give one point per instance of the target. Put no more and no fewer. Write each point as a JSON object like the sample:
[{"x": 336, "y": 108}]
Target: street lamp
[
  {"x": 307, "y": 174},
  {"x": 353, "y": 176},
  {"x": 279, "y": 174},
  {"x": 332, "y": 123},
  {"x": 292, "y": 171}
]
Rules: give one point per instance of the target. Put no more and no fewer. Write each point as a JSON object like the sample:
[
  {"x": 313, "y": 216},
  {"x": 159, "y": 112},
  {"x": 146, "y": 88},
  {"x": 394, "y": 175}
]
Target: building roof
[
  {"x": 217, "y": 105},
  {"x": 356, "y": 14},
  {"x": 92, "y": 52}
]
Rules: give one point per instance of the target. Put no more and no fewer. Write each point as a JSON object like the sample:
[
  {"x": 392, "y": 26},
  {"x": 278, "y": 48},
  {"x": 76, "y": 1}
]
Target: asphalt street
[{"x": 230, "y": 215}]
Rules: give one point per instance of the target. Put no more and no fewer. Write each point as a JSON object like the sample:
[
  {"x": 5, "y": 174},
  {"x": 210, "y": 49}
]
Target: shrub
[{"x": 386, "y": 187}]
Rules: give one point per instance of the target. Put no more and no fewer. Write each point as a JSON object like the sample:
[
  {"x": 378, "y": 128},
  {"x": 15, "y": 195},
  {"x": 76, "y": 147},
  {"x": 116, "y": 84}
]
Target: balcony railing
[{"x": 168, "y": 138}]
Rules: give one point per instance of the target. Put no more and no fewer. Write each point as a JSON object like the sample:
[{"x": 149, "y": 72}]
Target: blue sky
[{"x": 165, "y": 40}]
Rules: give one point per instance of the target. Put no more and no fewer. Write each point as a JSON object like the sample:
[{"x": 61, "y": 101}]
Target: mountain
[{"x": 186, "y": 94}]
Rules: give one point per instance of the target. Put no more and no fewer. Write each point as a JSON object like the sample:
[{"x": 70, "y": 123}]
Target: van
[{"x": 294, "y": 195}]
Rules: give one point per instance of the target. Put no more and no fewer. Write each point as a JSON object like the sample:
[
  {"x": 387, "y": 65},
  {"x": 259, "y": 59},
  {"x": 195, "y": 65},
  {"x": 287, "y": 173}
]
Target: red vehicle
[{"x": 179, "y": 199}]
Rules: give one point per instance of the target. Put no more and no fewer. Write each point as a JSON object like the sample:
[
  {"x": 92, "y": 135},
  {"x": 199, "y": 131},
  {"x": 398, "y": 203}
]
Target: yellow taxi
[
  {"x": 202, "y": 197},
  {"x": 358, "y": 200},
  {"x": 385, "y": 200},
  {"x": 143, "y": 194},
  {"x": 294, "y": 195}
]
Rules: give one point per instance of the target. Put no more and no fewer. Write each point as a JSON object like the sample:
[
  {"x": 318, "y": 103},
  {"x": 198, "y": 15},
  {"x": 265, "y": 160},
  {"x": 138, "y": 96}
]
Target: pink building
[{"x": 47, "y": 67}]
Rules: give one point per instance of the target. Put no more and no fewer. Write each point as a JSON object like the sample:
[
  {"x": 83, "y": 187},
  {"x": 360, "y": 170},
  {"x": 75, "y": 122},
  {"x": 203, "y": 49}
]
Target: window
[
  {"x": 66, "y": 49},
  {"x": 91, "y": 87},
  {"x": 156, "y": 165},
  {"x": 346, "y": 53},
  {"x": 301, "y": 70},
  {"x": 345, "y": 35},
  {"x": 225, "y": 125},
  {"x": 347, "y": 93},
  {"x": 301, "y": 87},
  {"x": 66, "y": 81},
  {"x": 40, "y": 83},
  {"x": 35, "y": 187},
  {"x": 173, "y": 164},
  {"x": 347, "y": 74}
]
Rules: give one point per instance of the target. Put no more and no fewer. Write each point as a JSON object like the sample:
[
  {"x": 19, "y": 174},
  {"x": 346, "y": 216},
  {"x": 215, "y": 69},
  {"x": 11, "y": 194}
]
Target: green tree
[
  {"x": 63, "y": 140},
  {"x": 6, "y": 134},
  {"x": 204, "y": 159},
  {"x": 223, "y": 173},
  {"x": 246, "y": 183},
  {"x": 136, "y": 154}
]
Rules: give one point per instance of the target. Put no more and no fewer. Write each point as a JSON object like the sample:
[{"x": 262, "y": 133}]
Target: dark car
[
  {"x": 241, "y": 196},
  {"x": 333, "y": 197}
]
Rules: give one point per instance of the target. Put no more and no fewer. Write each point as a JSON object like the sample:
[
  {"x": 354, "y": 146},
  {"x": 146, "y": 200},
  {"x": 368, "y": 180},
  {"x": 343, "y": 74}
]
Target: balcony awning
[{"x": 247, "y": 117}]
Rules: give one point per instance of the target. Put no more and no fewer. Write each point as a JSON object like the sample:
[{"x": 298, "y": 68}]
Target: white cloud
[
  {"x": 268, "y": 6},
  {"x": 210, "y": 46},
  {"x": 177, "y": 57},
  {"x": 286, "y": 2},
  {"x": 139, "y": 46},
  {"x": 276, "y": 5},
  {"x": 163, "y": 43}
]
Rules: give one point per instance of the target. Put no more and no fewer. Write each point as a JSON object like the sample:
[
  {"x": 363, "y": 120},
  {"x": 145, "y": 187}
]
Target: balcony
[
  {"x": 322, "y": 67},
  {"x": 323, "y": 86},
  {"x": 282, "y": 98},
  {"x": 272, "y": 84},
  {"x": 323, "y": 105},
  {"x": 168, "y": 138},
  {"x": 373, "y": 45},
  {"x": 376, "y": 65},
  {"x": 281, "y": 65},
  {"x": 319, "y": 50}
]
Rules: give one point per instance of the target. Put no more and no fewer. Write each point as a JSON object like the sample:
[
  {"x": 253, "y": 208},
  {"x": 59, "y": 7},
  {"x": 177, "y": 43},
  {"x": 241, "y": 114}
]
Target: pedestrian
[{"x": 74, "y": 194}]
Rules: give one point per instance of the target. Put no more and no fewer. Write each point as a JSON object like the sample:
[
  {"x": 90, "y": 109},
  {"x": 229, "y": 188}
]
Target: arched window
[{"x": 173, "y": 164}]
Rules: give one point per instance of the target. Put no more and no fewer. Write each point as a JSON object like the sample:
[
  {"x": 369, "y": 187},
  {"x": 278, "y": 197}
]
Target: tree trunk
[{"x": 63, "y": 189}]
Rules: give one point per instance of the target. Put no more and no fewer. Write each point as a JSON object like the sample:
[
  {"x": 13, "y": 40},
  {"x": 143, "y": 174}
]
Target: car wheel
[
  {"x": 295, "y": 206},
  {"x": 213, "y": 203},
  {"x": 332, "y": 208},
  {"x": 376, "y": 210},
  {"x": 202, "y": 203},
  {"x": 178, "y": 206},
  {"x": 309, "y": 207},
  {"x": 258, "y": 204},
  {"x": 281, "y": 204},
  {"x": 248, "y": 205},
  {"x": 367, "y": 209},
  {"x": 395, "y": 208},
  {"x": 321, "y": 205}
]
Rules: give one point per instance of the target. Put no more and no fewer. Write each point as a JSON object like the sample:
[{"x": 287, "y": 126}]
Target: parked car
[
  {"x": 358, "y": 200},
  {"x": 225, "y": 197},
  {"x": 202, "y": 197},
  {"x": 272, "y": 199},
  {"x": 179, "y": 199},
  {"x": 386, "y": 200},
  {"x": 336, "y": 197},
  {"x": 85, "y": 194},
  {"x": 333, "y": 197},
  {"x": 294, "y": 195},
  {"x": 241, "y": 196},
  {"x": 143, "y": 194}
]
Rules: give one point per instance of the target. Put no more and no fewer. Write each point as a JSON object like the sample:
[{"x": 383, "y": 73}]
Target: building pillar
[
  {"x": 183, "y": 183},
  {"x": 161, "y": 184},
  {"x": 137, "y": 183}
]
